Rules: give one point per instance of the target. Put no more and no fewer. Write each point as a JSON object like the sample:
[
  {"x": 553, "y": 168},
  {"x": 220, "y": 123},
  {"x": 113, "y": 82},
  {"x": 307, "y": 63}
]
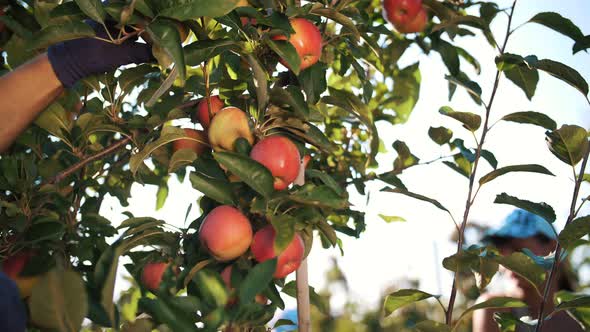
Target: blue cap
[{"x": 521, "y": 224}]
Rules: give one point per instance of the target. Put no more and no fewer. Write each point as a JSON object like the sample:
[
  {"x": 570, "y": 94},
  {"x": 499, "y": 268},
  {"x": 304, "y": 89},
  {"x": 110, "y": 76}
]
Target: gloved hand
[
  {"x": 13, "y": 314},
  {"x": 75, "y": 59}
]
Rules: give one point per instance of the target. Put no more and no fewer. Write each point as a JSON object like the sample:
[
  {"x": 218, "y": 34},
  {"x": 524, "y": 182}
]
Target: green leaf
[
  {"x": 524, "y": 266},
  {"x": 163, "y": 312},
  {"x": 390, "y": 219},
  {"x": 326, "y": 179},
  {"x": 165, "y": 35},
  {"x": 534, "y": 118},
  {"x": 470, "y": 121},
  {"x": 430, "y": 326},
  {"x": 440, "y": 135},
  {"x": 582, "y": 44},
  {"x": 406, "y": 92},
  {"x": 260, "y": 77},
  {"x": 253, "y": 173},
  {"x": 161, "y": 195},
  {"x": 313, "y": 82},
  {"x": 183, "y": 10},
  {"x": 59, "y": 301},
  {"x": 495, "y": 303},
  {"x": 565, "y": 73},
  {"x": 320, "y": 196},
  {"x": 216, "y": 189},
  {"x": 56, "y": 120},
  {"x": 449, "y": 55},
  {"x": 416, "y": 196},
  {"x": 574, "y": 231},
  {"x": 286, "y": 51},
  {"x": 471, "y": 87},
  {"x": 181, "y": 158},
  {"x": 514, "y": 168},
  {"x": 45, "y": 231},
  {"x": 543, "y": 210},
  {"x": 519, "y": 72},
  {"x": 404, "y": 158},
  {"x": 257, "y": 280},
  {"x": 476, "y": 260},
  {"x": 92, "y": 8},
  {"x": 487, "y": 155},
  {"x": 577, "y": 303},
  {"x": 168, "y": 135},
  {"x": 392, "y": 179},
  {"x": 201, "y": 50},
  {"x": 290, "y": 97},
  {"x": 284, "y": 226},
  {"x": 339, "y": 18},
  {"x": 291, "y": 290},
  {"x": 558, "y": 23},
  {"x": 211, "y": 288},
  {"x": 57, "y": 33},
  {"x": 402, "y": 298},
  {"x": 568, "y": 143}
]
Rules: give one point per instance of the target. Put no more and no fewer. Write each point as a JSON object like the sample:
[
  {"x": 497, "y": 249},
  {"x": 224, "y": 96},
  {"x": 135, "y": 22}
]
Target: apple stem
[{"x": 303, "y": 310}]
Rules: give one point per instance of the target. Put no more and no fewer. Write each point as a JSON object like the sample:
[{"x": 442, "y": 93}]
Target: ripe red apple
[
  {"x": 13, "y": 266},
  {"x": 203, "y": 110},
  {"x": 400, "y": 12},
  {"x": 199, "y": 145},
  {"x": 416, "y": 25},
  {"x": 288, "y": 261},
  {"x": 307, "y": 40},
  {"x": 280, "y": 156},
  {"x": 226, "y": 233},
  {"x": 229, "y": 124},
  {"x": 152, "y": 274}
]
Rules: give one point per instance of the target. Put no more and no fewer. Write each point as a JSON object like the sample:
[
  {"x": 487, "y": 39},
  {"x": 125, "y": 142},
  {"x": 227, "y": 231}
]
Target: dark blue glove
[
  {"x": 13, "y": 314},
  {"x": 75, "y": 59}
]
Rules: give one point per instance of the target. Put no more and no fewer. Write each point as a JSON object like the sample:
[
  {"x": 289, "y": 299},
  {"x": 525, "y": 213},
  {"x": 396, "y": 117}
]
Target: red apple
[
  {"x": 416, "y": 25},
  {"x": 199, "y": 145},
  {"x": 13, "y": 266},
  {"x": 401, "y": 12},
  {"x": 203, "y": 110},
  {"x": 280, "y": 156},
  {"x": 307, "y": 40},
  {"x": 227, "y": 125},
  {"x": 226, "y": 233},
  {"x": 152, "y": 274},
  {"x": 288, "y": 261}
]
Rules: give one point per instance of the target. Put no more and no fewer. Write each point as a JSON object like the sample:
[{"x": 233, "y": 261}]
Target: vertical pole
[{"x": 303, "y": 312}]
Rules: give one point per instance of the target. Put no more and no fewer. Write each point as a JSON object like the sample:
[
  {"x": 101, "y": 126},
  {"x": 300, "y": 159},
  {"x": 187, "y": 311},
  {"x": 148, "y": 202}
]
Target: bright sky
[{"x": 415, "y": 248}]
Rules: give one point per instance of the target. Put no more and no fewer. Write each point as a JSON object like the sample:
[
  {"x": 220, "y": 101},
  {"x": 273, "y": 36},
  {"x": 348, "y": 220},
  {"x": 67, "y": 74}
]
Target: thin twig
[
  {"x": 77, "y": 166},
  {"x": 469, "y": 201},
  {"x": 553, "y": 272}
]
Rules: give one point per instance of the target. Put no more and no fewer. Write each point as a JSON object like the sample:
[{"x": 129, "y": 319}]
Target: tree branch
[
  {"x": 77, "y": 166},
  {"x": 555, "y": 267},
  {"x": 470, "y": 201}
]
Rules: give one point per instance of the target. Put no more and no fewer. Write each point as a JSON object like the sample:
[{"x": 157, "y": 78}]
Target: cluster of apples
[{"x": 407, "y": 16}]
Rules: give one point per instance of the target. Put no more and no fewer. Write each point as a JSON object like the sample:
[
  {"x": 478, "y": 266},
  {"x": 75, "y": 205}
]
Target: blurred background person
[{"x": 524, "y": 230}]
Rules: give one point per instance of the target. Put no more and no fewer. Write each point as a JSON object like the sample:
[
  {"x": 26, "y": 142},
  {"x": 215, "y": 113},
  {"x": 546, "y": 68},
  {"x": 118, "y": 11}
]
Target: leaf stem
[
  {"x": 558, "y": 248},
  {"x": 470, "y": 199}
]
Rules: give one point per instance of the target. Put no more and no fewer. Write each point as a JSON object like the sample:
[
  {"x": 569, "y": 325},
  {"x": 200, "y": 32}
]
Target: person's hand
[
  {"x": 13, "y": 315},
  {"x": 75, "y": 59}
]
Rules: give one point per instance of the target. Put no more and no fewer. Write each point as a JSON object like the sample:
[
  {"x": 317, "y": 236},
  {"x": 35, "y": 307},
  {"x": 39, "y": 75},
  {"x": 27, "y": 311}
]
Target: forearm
[
  {"x": 483, "y": 321},
  {"x": 24, "y": 93}
]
